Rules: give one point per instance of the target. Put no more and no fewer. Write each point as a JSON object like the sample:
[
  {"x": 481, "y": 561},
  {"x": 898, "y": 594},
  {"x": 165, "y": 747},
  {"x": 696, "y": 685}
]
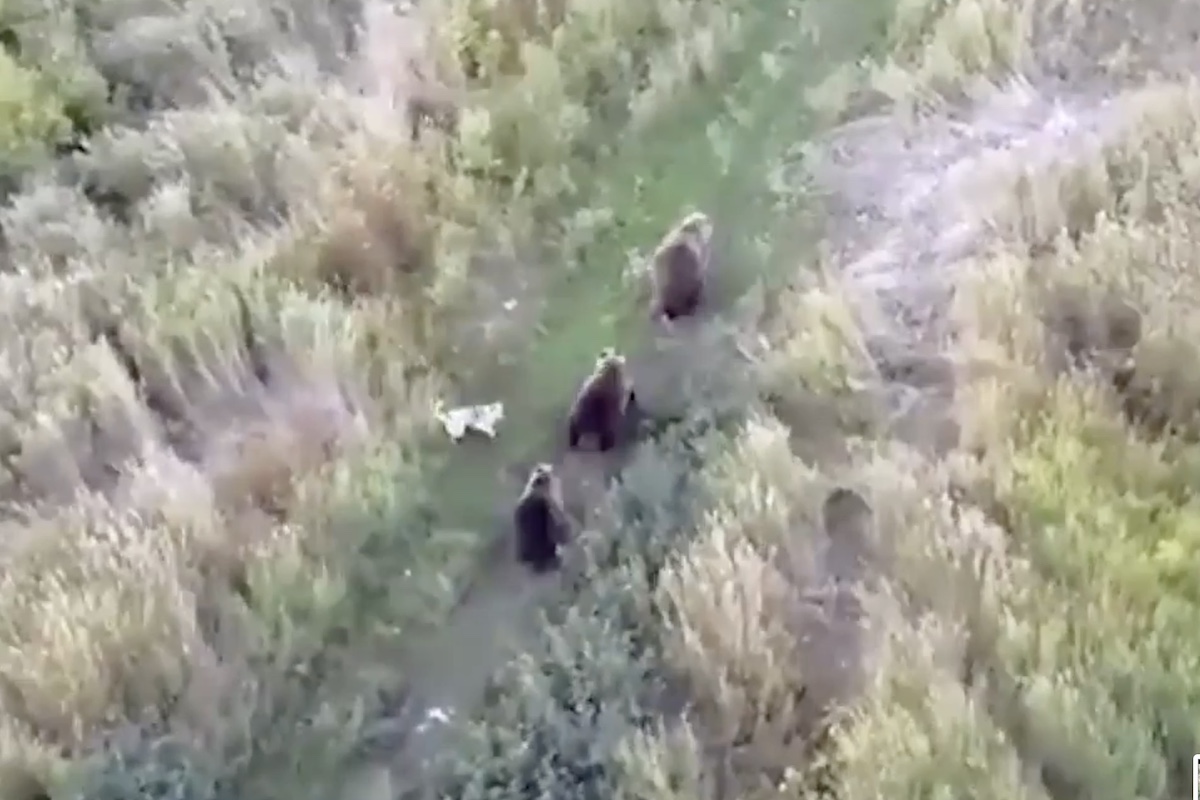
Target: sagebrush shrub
[{"x": 207, "y": 557}]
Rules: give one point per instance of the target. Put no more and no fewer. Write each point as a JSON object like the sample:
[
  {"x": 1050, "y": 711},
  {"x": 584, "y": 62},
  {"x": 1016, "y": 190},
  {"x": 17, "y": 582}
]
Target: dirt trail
[
  {"x": 447, "y": 669},
  {"x": 498, "y": 614},
  {"x": 718, "y": 157},
  {"x": 912, "y": 205}
]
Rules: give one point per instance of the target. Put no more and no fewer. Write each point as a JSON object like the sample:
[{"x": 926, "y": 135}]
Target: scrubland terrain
[{"x": 913, "y": 513}]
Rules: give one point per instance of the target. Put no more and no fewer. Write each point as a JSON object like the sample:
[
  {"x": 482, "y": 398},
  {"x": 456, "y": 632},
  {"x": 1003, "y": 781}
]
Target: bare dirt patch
[{"x": 911, "y": 205}]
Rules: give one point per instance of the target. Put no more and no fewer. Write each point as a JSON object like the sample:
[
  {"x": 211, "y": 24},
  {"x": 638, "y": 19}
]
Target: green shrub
[
  {"x": 161, "y": 770},
  {"x": 559, "y": 721},
  {"x": 32, "y": 119}
]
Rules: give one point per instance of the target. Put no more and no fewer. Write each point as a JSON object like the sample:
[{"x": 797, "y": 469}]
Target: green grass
[
  {"x": 31, "y": 119},
  {"x": 769, "y": 221},
  {"x": 757, "y": 117}
]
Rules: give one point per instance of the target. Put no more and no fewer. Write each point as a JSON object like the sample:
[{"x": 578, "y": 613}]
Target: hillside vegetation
[{"x": 250, "y": 250}]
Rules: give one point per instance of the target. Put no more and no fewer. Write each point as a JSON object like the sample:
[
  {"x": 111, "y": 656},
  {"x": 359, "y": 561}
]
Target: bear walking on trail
[
  {"x": 604, "y": 399},
  {"x": 541, "y": 520},
  {"x": 680, "y": 268}
]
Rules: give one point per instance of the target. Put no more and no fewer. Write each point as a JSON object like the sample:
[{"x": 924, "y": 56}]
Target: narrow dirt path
[
  {"x": 912, "y": 206},
  {"x": 719, "y": 152}
]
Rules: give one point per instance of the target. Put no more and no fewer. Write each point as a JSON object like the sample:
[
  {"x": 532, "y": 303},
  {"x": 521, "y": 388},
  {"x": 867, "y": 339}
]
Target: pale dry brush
[
  {"x": 968, "y": 659},
  {"x": 816, "y": 371},
  {"x": 742, "y": 601},
  {"x": 123, "y": 536},
  {"x": 1082, "y": 508},
  {"x": 1079, "y": 437},
  {"x": 667, "y": 762},
  {"x": 238, "y": 156}
]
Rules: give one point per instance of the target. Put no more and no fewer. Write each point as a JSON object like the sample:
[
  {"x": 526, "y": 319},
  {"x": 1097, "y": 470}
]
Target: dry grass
[
  {"x": 1088, "y": 444},
  {"x": 1030, "y": 624},
  {"x": 1017, "y": 621},
  {"x": 1058, "y": 669},
  {"x": 188, "y": 562},
  {"x": 215, "y": 518}
]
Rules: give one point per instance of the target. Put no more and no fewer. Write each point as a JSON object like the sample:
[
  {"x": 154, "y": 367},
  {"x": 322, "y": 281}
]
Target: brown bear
[
  {"x": 603, "y": 400},
  {"x": 680, "y": 269},
  {"x": 540, "y": 520}
]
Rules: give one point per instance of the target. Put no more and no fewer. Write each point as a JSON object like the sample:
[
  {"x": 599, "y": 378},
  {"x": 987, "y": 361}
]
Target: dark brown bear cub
[
  {"x": 599, "y": 408},
  {"x": 680, "y": 268},
  {"x": 540, "y": 520}
]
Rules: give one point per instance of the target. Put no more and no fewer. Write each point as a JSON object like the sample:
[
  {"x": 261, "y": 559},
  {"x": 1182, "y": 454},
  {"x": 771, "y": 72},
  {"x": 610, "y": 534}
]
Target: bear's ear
[{"x": 698, "y": 223}]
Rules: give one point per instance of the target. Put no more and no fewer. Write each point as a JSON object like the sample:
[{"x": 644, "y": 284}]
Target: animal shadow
[
  {"x": 848, "y": 520},
  {"x": 831, "y": 628}
]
